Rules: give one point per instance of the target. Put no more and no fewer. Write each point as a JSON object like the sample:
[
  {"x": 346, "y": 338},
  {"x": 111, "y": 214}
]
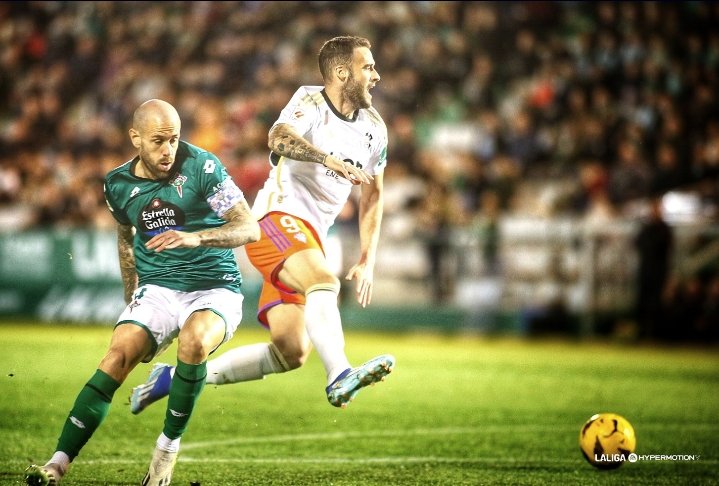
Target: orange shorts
[{"x": 282, "y": 235}]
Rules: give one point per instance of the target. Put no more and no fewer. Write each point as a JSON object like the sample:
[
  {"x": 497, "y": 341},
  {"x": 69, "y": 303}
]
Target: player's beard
[
  {"x": 156, "y": 173},
  {"x": 356, "y": 93}
]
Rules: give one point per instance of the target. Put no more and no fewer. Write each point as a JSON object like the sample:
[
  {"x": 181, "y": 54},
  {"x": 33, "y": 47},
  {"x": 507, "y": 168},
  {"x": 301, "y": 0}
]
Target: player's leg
[
  {"x": 201, "y": 334},
  {"x": 309, "y": 271},
  {"x": 288, "y": 349},
  {"x": 208, "y": 319},
  {"x": 289, "y": 334},
  {"x": 243, "y": 363},
  {"x": 129, "y": 344}
]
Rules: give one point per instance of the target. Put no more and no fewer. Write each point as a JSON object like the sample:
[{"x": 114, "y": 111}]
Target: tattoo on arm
[
  {"x": 241, "y": 228},
  {"x": 284, "y": 141},
  {"x": 127, "y": 260}
]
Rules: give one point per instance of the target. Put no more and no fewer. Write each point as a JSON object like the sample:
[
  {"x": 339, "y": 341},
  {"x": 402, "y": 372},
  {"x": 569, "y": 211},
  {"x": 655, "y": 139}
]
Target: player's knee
[
  {"x": 202, "y": 333},
  {"x": 292, "y": 353},
  {"x": 193, "y": 348},
  {"x": 328, "y": 282},
  {"x": 296, "y": 359},
  {"x": 117, "y": 363}
]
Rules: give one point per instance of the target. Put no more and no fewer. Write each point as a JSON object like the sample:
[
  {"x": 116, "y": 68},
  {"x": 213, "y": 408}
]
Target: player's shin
[
  {"x": 90, "y": 409},
  {"x": 324, "y": 327},
  {"x": 246, "y": 363},
  {"x": 185, "y": 389}
]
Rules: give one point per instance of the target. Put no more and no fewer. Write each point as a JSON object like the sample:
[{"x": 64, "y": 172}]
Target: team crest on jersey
[
  {"x": 178, "y": 181},
  {"x": 298, "y": 114}
]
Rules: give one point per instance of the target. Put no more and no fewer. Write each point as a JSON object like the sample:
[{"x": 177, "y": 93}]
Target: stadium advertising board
[{"x": 60, "y": 276}]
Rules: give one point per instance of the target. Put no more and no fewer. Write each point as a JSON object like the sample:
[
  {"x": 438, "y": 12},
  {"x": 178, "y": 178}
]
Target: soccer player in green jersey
[{"x": 179, "y": 215}]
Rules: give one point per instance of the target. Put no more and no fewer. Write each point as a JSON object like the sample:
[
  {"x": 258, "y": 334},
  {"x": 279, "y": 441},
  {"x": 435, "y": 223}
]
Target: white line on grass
[
  {"x": 334, "y": 436},
  {"x": 364, "y": 460},
  {"x": 487, "y": 429},
  {"x": 361, "y": 460}
]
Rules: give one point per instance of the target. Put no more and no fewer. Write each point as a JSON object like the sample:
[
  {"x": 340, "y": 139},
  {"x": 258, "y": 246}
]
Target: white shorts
[{"x": 162, "y": 312}]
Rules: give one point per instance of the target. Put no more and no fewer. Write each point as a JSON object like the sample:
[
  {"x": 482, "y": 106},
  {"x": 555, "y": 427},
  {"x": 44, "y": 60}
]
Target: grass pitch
[{"x": 457, "y": 410}]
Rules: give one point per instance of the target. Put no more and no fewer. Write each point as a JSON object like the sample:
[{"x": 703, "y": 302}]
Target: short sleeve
[
  {"x": 300, "y": 112},
  {"x": 112, "y": 205}
]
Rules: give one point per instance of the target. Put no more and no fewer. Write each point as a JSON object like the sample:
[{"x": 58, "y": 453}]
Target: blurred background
[{"x": 553, "y": 166}]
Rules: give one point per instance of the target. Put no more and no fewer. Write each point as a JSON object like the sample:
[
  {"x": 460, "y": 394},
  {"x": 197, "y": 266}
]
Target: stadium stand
[{"x": 516, "y": 128}]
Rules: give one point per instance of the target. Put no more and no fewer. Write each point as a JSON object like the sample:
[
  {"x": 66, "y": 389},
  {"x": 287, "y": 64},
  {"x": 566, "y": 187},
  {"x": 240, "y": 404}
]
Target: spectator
[{"x": 654, "y": 244}]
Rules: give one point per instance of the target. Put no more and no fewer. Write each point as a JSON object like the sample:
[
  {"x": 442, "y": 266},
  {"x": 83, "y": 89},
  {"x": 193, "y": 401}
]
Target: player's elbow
[
  {"x": 254, "y": 233},
  {"x": 272, "y": 138}
]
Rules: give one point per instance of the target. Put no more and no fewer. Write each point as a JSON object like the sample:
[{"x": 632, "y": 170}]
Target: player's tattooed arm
[
  {"x": 241, "y": 228},
  {"x": 127, "y": 260},
  {"x": 286, "y": 142}
]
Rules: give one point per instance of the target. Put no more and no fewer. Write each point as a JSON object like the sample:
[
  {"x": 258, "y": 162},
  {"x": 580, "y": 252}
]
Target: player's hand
[
  {"x": 345, "y": 169},
  {"x": 173, "y": 239},
  {"x": 365, "y": 278}
]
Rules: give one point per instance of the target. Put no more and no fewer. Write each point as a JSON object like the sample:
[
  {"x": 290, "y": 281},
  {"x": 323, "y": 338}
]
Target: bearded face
[{"x": 357, "y": 92}]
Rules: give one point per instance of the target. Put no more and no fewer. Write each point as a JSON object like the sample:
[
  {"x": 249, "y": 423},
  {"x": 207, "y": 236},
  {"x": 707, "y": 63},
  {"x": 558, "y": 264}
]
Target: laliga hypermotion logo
[{"x": 177, "y": 182}]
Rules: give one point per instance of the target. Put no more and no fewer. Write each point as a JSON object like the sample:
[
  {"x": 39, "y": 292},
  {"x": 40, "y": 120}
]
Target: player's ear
[
  {"x": 135, "y": 138},
  {"x": 341, "y": 72}
]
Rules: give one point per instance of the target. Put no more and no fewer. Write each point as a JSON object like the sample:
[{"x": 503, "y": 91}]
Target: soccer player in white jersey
[{"x": 327, "y": 139}]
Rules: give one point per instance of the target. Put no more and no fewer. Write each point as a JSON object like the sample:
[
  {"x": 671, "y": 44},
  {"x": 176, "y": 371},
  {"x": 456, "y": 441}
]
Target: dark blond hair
[{"x": 338, "y": 51}]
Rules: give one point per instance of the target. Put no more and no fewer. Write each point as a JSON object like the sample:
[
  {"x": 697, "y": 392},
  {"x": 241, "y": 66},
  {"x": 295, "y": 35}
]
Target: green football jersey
[{"x": 193, "y": 198}]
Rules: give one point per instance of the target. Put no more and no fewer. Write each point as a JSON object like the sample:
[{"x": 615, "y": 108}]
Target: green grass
[{"x": 457, "y": 410}]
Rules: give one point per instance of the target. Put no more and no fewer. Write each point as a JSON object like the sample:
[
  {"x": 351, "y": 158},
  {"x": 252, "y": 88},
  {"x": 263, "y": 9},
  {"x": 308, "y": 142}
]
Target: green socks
[
  {"x": 93, "y": 403},
  {"x": 88, "y": 412},
  {"x": 185, "y": 389}
]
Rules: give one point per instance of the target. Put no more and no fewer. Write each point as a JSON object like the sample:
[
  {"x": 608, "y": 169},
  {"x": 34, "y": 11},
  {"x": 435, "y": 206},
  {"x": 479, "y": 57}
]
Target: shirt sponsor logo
[{"x": 160, "y": 216}]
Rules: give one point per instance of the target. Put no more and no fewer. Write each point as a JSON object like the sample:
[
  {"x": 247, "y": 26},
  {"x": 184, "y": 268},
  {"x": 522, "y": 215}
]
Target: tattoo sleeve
[
  {"x": 241, "y": 228},
  {"x": 285, "y": 141},
  {"x": 127, "y": 260}
]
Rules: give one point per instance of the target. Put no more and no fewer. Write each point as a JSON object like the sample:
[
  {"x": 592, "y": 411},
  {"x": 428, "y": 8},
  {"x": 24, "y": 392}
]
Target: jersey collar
[{"x": 337, "y": 113}]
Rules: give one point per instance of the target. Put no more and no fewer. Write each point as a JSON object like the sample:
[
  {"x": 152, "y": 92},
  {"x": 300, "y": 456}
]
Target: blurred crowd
[{"x": 617, "y": 99}]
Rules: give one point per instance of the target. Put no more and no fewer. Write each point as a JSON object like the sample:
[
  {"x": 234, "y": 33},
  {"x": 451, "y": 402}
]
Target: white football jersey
[{"x": 309, "y": 190}]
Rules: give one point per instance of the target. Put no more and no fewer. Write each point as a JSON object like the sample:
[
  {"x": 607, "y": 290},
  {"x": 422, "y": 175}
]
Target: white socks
[
  {"x": 166, "y": 444},
  {"x": 60, "y": 458},
  {"x": 251, "y": 362},
  {"x": 254, "y": 361},
  {"x": 324, "y": 326}
]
